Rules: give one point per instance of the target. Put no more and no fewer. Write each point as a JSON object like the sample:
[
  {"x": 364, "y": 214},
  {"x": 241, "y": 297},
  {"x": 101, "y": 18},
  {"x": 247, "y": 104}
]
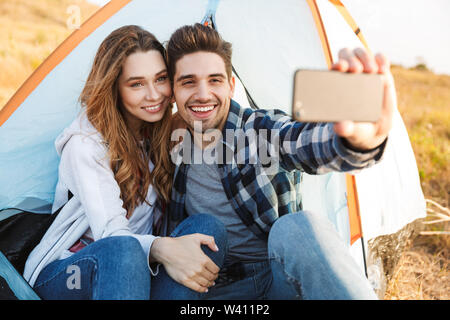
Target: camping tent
[{"x": 271, "y": 39}]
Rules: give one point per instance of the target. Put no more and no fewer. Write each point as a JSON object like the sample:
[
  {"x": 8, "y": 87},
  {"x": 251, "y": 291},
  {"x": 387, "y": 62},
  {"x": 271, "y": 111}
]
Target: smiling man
[
  {"x": 203, "y": 91},
  {"x": 275, "y": 250}
]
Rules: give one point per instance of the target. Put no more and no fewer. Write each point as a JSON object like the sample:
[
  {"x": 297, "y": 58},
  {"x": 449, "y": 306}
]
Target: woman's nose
[{"x": 152, "y": 93}]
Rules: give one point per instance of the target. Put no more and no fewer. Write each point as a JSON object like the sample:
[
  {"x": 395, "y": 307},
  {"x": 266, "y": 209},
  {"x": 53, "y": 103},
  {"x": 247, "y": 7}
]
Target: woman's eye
[
  {"x": 162, "y": 78},
  {"x": 136, "y": 84}
]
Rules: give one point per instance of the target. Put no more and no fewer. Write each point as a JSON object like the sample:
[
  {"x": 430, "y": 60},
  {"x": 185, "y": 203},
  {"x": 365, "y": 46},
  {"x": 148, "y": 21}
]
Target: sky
[{"x": 408, "y": 32}]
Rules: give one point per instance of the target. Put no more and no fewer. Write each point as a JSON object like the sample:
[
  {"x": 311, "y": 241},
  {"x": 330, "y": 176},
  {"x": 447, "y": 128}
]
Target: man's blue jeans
[
  {"x": 163, "y": 286},
  {"x": 307, "y": 260},
  {"x": 115, "y": 268}
]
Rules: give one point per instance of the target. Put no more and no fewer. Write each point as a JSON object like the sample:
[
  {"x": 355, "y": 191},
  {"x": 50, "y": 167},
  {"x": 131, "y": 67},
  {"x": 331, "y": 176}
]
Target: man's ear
[{"x": 232, "y": 86}]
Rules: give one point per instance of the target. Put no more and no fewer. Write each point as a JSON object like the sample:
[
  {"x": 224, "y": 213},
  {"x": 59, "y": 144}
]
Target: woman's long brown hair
[{"x": 129, "y": 159}]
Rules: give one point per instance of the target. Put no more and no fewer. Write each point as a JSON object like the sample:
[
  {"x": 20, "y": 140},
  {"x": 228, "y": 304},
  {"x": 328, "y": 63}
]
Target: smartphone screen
[{"x": 331, "y": 96}]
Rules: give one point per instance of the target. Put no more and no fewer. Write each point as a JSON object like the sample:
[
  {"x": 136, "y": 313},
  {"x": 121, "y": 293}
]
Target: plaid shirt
[{"x": 258, "y": 195}]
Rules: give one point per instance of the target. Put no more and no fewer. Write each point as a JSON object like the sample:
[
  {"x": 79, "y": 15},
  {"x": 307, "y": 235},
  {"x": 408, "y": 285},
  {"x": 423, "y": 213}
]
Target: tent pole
[
  {"x": 352, "y": 193},
  {"x": 364, "y": 256}
]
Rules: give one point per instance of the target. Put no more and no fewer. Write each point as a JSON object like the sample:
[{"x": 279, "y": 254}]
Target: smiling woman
[
  {"x": 115, "y": 162},
  {"x": 109, "y": 97},
  {"x": 144, "y": 88}
]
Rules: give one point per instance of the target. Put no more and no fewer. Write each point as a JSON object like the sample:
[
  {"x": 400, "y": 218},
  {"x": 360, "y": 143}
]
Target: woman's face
[{"x": 144, "y": 88}]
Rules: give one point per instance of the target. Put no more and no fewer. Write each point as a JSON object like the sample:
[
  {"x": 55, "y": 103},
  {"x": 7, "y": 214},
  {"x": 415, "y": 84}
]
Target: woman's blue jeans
[{"x": 115, "y": 268}]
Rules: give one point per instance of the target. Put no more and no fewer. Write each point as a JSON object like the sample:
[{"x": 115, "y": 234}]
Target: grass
[
  {"x": 423, "y": 270},
  {"x": 421, "y": 274},
  {"x": 32, "y": 29},
  {"x": 423, "y": 101}
]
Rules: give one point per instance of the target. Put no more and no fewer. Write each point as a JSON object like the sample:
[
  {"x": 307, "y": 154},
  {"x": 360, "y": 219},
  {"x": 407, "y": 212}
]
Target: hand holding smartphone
[
  {"x": 358, "y": 96},
  {"x": 333, "y": 96}
]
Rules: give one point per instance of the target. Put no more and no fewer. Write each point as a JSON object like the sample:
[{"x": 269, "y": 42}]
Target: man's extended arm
[{"x": 344, "y": 146}]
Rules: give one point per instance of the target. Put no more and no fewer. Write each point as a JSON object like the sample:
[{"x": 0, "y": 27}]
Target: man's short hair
[{"x": 193, "y": 38}]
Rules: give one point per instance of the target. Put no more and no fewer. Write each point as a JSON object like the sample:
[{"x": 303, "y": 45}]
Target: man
[{"x": 275, "y": 250}]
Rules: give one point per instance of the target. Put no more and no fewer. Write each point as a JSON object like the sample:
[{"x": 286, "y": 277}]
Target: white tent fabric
[
  {"x": 271, "y": 39},
  {"x": 389, "y": 194}
]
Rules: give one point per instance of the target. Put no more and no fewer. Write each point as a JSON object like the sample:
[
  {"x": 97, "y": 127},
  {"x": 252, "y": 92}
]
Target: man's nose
[{"x": 202, "y": 93}]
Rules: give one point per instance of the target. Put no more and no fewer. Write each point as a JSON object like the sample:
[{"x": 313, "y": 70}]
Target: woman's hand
[{"x": 185, "y": 261}]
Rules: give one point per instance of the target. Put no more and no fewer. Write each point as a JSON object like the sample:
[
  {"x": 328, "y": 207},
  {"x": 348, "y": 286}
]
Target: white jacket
[{"x": 95, "y": 208}]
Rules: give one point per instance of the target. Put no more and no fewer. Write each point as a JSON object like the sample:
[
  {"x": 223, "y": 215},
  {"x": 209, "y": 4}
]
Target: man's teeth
[
  {"x": 152, "y": 108},
  {"x": 202, "y": 109}
]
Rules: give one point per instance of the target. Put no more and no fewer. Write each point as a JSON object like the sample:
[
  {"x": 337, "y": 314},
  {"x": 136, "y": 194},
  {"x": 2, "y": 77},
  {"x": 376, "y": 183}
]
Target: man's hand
[
  {"x": 367, "y": 135},
  {"x": 185, "y": 261}
]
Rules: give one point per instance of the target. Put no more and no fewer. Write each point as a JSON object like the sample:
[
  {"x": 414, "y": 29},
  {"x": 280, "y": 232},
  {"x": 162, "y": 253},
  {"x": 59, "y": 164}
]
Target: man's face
[{"x": 202, "y": 90}]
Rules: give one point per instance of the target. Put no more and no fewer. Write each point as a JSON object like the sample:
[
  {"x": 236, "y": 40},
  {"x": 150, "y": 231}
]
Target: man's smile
[{"x": 202, "y": 110}]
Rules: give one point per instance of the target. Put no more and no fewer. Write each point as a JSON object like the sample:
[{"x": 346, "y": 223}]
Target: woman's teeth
[{"x": 152, "y": 108}]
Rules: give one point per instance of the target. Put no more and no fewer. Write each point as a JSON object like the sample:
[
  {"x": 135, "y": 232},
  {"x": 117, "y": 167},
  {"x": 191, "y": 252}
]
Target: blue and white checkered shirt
[{"x": 264, "y": 152}]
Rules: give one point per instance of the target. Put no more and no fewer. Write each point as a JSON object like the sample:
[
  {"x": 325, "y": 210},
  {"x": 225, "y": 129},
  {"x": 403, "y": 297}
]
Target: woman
[{"x": 115, "y": 175}]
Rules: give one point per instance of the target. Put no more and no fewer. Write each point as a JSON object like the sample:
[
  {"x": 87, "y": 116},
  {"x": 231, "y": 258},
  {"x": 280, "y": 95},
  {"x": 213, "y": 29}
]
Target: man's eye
[{"x": 187, "y": 82}]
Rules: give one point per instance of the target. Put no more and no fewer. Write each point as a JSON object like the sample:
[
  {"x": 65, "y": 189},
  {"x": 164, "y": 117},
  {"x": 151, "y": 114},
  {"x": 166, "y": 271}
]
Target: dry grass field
[
  {"x": 424, "y": 103},
  {"x": 32, "y": 29}
]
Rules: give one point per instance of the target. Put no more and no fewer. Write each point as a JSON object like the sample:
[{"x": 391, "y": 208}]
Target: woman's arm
[{"x": 87, "y": 174}]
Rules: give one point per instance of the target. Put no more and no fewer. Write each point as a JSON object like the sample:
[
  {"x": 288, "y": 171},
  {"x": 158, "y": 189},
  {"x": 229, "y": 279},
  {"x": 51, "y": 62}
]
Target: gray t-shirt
[{"x": 205, "y": 194}]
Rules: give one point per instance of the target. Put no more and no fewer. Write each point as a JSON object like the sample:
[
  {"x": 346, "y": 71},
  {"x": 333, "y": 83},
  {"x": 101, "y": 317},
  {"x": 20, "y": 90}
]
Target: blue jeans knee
[
  {"x": 111, "y": 268},
  {"x": 205, "y": 224},
  {"x": 124, "y": 253},
  {"x": 163, "y": 286},
  {"x": 303, "y": 227}
]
